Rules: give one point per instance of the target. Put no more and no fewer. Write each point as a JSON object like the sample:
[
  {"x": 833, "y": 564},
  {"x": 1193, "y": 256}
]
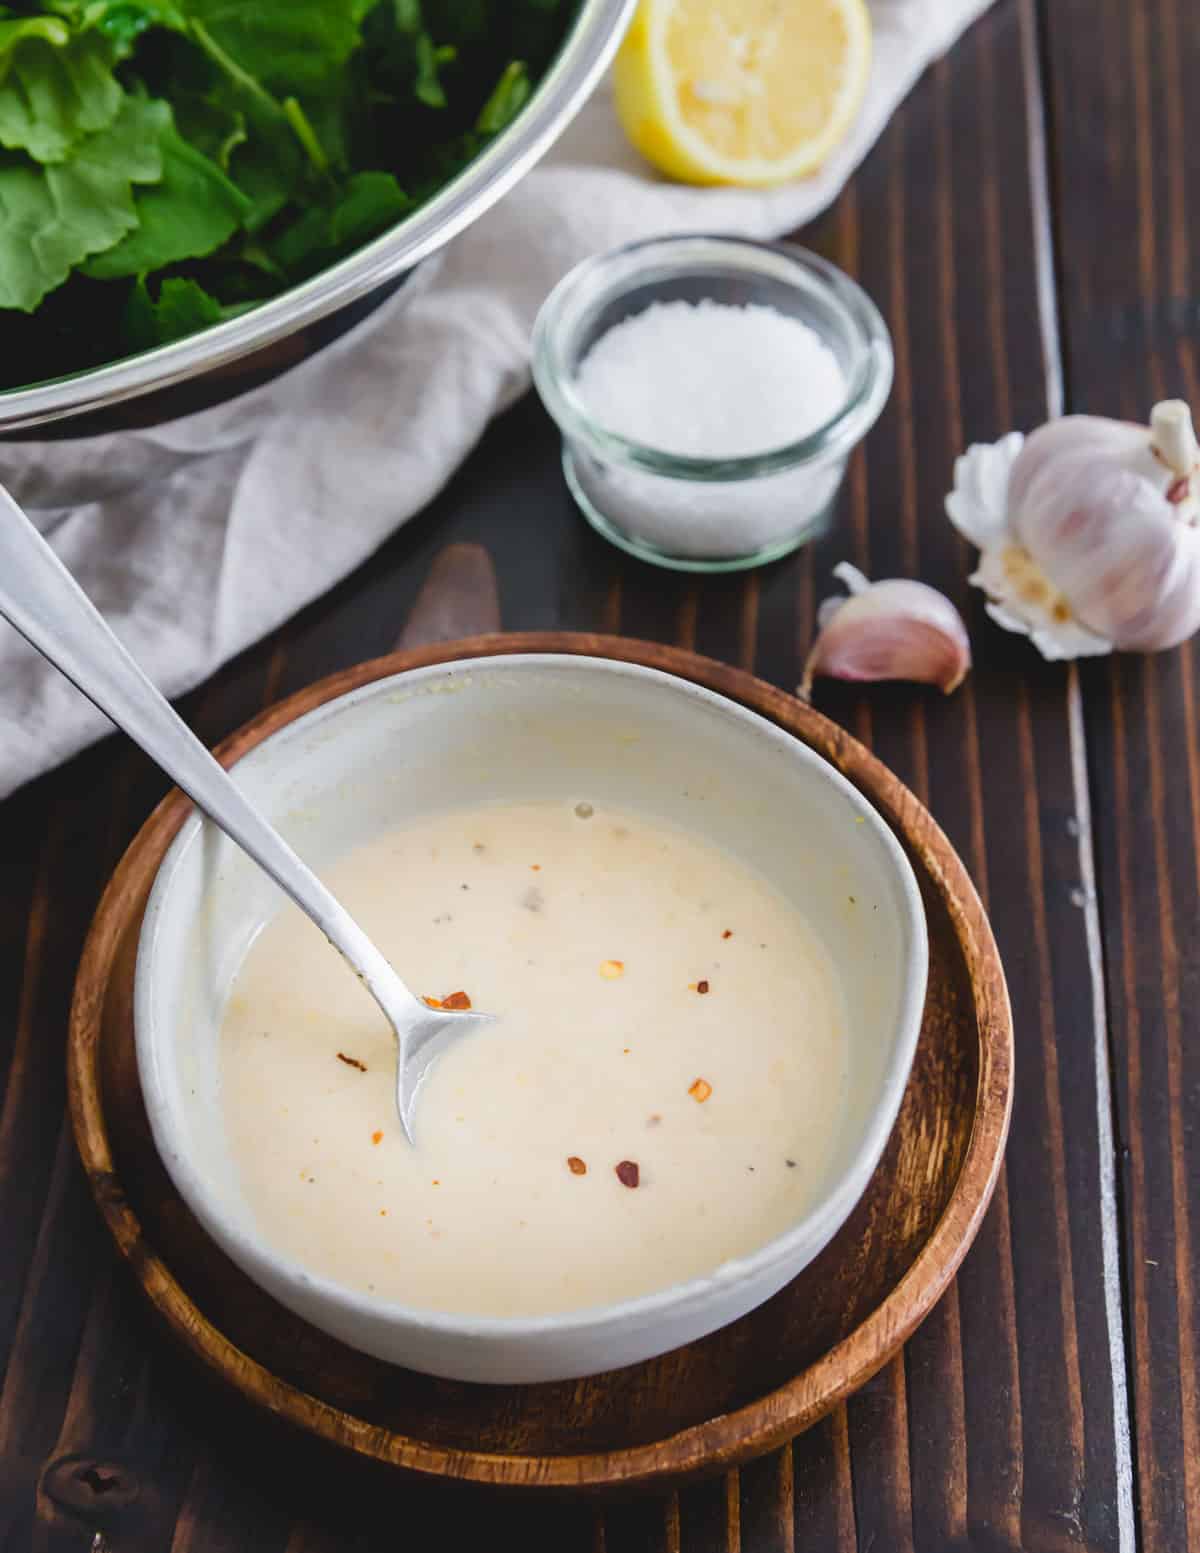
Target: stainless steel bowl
[{"x": 210, "y": 354}]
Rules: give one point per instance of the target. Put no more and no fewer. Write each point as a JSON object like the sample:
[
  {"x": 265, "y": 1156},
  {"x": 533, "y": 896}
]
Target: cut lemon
[{"x": 742, "y": 91}]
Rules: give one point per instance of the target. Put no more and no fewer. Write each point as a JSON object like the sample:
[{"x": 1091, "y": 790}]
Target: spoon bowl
[{"x": 428, "y": 1033}]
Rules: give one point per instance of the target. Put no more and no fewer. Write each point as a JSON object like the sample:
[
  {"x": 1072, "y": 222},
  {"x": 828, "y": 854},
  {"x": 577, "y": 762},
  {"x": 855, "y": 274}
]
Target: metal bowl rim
[{"x": 584, "y": 55}]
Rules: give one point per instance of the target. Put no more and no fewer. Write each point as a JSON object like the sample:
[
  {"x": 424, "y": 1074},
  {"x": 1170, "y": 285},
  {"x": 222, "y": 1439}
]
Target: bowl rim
[
  {"x": 815, "y": 1227},
  {"x": 584, "y": 54}
]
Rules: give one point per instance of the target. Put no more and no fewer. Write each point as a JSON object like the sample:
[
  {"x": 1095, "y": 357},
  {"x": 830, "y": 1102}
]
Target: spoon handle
[{"x": 47, "y": 606}]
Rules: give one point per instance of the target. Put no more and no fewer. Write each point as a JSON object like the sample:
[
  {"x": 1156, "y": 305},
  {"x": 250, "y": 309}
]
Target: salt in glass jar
[{"x": 701, "y": 512}]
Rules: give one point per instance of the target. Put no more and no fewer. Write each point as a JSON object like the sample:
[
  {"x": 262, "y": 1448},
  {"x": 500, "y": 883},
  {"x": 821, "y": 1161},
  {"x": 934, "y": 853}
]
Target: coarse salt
[
  {"x": 712, "y": 381},
  {"x": 709, "y": 380}
]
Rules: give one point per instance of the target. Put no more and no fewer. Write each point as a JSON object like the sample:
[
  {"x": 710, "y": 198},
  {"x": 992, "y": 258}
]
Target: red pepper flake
[
  {"x": 455, "y": 1000},
  {"x": 628, "y": 1173},
  {"x": 1179, "y": 489},
  {"x": 728, "y": 933},
  {"x": 536, "y": 867},
  {"x": 352, "y": 1062},
  {"x": 611, "y": 970},
  {"x": 702, "y": 987},
  {"x": 376, "y": 1137},
  {"x": 700, "y": 1090},
  {"x": 575, "y": 1165}
]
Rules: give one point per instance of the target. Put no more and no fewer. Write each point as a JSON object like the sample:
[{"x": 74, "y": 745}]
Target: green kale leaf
[
  {"x": 121, "y": 20},
  {"x": 290, "y": 46},
  {"x": 190, "y": 211},
  {"x": 56, "y": 86},
  {"x": 404, "y": 58},
  {"x": 181, "y": 308},
  {"x": 53, "y": 217},
  {"x": 217, "y": 128},
  {"x": 509, "y": 95},
  {"x": 241, "y": 127},
  {"x": 364, "y": 207}
]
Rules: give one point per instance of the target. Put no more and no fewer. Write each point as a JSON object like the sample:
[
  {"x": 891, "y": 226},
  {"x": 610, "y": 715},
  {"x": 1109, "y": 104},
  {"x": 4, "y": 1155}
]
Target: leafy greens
[{"x": 165, "y": 164}]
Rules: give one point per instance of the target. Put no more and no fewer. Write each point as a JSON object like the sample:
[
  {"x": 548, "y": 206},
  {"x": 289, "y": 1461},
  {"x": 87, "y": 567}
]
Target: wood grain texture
[
  {"x": 728, "y": 1397},
  {"x": 953, "y": 268},
  {"x": 458, "y": 598},
  {"x": 1127, "y": 120}
]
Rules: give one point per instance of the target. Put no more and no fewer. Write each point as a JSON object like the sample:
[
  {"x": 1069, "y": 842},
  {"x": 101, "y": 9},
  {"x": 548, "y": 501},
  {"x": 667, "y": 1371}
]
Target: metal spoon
[{"x": 47, "y": 606}]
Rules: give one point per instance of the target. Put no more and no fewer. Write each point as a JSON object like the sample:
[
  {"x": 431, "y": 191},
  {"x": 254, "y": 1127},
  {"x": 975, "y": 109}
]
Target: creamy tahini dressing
[{"x": 592, "y": 935}]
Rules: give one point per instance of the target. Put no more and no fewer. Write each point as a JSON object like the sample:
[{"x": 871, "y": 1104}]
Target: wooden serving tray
[{"x": 735, "y": 1394}]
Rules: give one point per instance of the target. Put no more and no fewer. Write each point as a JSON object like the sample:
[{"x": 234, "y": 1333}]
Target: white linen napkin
[{"x": 198, "y": 537}]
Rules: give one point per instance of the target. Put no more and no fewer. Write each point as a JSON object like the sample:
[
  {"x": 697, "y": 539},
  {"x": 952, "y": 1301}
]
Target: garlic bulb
[
  {"x": 893, "y": 629},
  {"x": 1088, "y": 530}
]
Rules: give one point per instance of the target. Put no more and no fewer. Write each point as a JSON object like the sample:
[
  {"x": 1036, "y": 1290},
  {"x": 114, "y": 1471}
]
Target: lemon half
[{"x": 741, "y": 91}]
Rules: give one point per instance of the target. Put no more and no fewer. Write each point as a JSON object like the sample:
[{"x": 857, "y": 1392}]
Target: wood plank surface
[
  {"x": 1000, "y": 1427},
  {"x": 1127, "y": 122}
]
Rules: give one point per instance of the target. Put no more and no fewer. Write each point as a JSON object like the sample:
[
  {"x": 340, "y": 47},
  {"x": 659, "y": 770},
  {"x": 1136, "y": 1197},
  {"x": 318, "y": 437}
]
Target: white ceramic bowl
[{"x": 518, "y": 728}]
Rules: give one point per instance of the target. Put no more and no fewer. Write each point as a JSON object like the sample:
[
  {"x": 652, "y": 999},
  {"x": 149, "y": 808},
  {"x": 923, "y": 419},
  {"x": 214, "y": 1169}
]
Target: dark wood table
[{"x": 1023, "y": 224}]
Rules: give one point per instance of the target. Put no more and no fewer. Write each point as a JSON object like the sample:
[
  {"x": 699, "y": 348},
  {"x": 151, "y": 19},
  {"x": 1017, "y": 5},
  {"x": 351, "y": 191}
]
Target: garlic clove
[
  {"x": 1091, "y": 437},
  {"x": 892, "y": 629},
  {"x": 979, "y": 508},
  {"x": 978, "y": 504},
  {"x": 1094, "y": 541},
  {"x": 1058, "y": 643},
  {"x": 1039, "y": 615}
]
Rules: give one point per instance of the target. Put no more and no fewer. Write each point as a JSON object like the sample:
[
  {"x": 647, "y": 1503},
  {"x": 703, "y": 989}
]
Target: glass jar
[{"x": 709, "y": 514}]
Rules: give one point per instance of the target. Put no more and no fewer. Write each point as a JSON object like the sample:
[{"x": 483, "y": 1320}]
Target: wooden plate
[{"x": 733, "y": 1395}]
